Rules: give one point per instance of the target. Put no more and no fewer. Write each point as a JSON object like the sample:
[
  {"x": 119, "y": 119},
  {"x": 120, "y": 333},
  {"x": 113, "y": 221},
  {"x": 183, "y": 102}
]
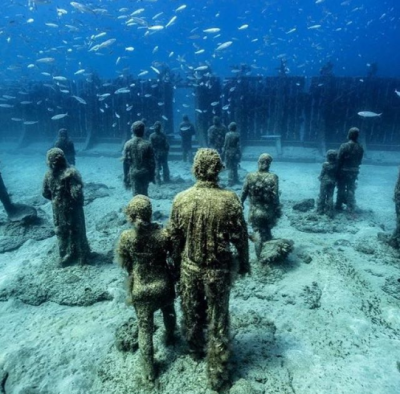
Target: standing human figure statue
[
  {"x": 142, "y": 251},
  {"x": 160, "y": 146},
  {"x": 15, "y": 212},
  {"x": 262, "y": 188},
  {"x": 349, "y": 160},
  {"x": 187, "y": 131},
  {"x": 139, "y": 162},
  {"x": 64, "y": 187},
  {"x": 232, "y": 154},
  {"x": 205, "y": 221},
  {"x": 328, "y": 178},
  {"x": 66, "y": 145},
  {"x": 394, "y": 240},
  {"x": 216, "y": 135}
]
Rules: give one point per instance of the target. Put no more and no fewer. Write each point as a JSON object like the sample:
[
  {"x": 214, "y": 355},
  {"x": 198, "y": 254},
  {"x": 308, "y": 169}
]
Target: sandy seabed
[{"x": 324, "y": 321}]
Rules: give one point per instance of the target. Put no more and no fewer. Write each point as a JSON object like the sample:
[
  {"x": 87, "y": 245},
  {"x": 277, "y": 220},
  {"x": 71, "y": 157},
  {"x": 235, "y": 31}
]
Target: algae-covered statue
[
  {"x": 186, "y": 131},
  {"x": 160, "y": 146},
  {"x": 15, "y": 212},
  {"x": 66, "y": 145},
  {"x": 232, "y": 153},
  {"x": 139, "y": 162},
  {"x": 216, "y": 135},
  {"x": 64, "y": 187},
  {"x": 205, "y": 222},
  {"x": 328, "y": 178},
  {"x": 262, "y": 188},
  {"x": 142, "y": 251},
  {"x": 350, "y": 156},
  {"x": 394, "y": 240}
]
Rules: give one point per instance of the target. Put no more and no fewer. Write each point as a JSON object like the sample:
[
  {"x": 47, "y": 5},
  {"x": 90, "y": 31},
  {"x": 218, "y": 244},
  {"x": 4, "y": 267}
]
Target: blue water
[{"x": 350, "y": 33}]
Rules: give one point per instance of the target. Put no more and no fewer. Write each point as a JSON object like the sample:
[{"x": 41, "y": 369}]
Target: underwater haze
[{"x": 352, "y": 34}]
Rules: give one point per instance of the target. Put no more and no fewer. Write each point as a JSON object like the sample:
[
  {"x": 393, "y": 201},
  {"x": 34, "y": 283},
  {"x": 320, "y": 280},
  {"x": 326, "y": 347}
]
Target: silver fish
[
  {"x": 59, "y": 116},
  {"x": 368, "y": 114}
]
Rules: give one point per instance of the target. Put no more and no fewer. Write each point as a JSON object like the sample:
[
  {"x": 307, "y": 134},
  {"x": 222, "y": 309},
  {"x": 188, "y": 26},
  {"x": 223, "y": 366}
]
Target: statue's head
[
  {"x": 157, "y": 126},
  {"x": 264, "y": 162},
  {"x": 63, "y": 134},
  {"x": 331, "y": 155},
  {"x": 139, "y": 210},
  {"x": 232, "y": 126},
  {"x": 137, "y": 128},
  {"x": 56, "y": 159},
  {"x": 216, "y": 120},
  {"x": 207, "y": 165},
  {"x": 353, "y": 134},
  {"x": 185, "y": 118}
]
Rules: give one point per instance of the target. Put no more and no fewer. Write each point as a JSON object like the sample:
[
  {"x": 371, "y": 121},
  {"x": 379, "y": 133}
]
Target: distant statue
[
  {"x": 394, "y": 240},
  {"x": 205, "y": 222},
  {"x": 350, "y": 156},
  {"x": 138, "y": 161},
  {"x": 372, "y": 70},
  {"x": 262, "y": 188},
  {"x": 187, "y": 131},
  {"x": 232, "y": 154},
  {"x": 66, "y": 145},
  {"x": 283, "y": 70},
  {"x": 142, "y": 251},
  {"x": 328, "y": 179},
  {"x": 216, "y": 135},
  {"x": 15, "y": 212},
  {"x": 160, "y": 146},
  {"x": 64, "y": 187},
  {"x": 327, "y": 69}
]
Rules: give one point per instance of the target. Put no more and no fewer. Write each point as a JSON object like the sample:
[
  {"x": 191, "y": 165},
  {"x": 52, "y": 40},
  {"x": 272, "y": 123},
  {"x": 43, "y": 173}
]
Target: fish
[
  {"x": 314, "y": 27},
  {"x": 81, "y": 71},
  {"x": 165, "y": 118},
  {"x": 137, "y": 12},
  {"x": 16, "y": 119},
  {"x": 60, "y": 78},
  {"x": 64, "y": 91},
  {"x": 291, "y": 31},
  {"x": 129, "y": 49},
  {"x": 155, "y": 70},
  {"x": 200, "y": 51},
  {"x": 181, "y": 8},
  {"x": 46, "y": 60},
  {"x": 224, "y": 46},
  {"x": 225, "y": 107},
  {"x": 214, "y": 103},
  {"x": 82, "y": 8},
  {"x": 397, "y": 92},
  {"x": 172, "y": 20},
  {"x": 122, "y": 91},
  {"x": 199, "y": 111},
  {"x": 6, "y": 106},
  {"x": 212, "y": 30},
  {"x": 243, "y": 27},
  {"x": 26, "y": 102},
  {"x": 59, "y": 116},
  {"x": 6, "y": 96},
  {"x": 103, "y": 96},
  {"x": 143, "y": 73},
  {"x": 368, "y": 114},
  {"x": 104, "y": 44},
  {"x": 156, "y": 27},
  {"x": 79, "y": 99},
  {"x": 30, "y": 122}
]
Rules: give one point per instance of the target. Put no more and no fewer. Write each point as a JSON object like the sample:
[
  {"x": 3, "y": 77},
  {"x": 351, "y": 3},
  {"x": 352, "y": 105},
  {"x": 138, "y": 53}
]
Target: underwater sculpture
[
  {"x": 349, "y": 160},
  {"x": 15, "y": 212},
  {"x": 187, "y": 131},
  {"x": 138, "y": 160},
  {"x": 394, "y": 240},
  {"x": 262, "y": 188},
  {"x": 160, "y": 146},
  {"x": 142, "y": 251},
  {"x": 66, "y": 145},
  {"x": 205, "y": 221},
  {"x": 232, "y": 153},
  {"x": 328, "y": 178},
  {"x": 64, "y": 187},
  {"x": 216, "y": 135}
]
